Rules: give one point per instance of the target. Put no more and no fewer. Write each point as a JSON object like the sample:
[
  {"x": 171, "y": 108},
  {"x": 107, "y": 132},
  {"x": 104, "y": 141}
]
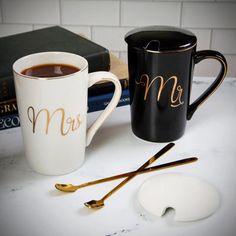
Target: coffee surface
[{"x": 50, "y": 70}]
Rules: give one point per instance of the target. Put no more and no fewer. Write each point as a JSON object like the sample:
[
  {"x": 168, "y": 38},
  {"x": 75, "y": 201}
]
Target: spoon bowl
[
  {"x": 66, "y": 187},
  {"x": 95, "y": 204}
]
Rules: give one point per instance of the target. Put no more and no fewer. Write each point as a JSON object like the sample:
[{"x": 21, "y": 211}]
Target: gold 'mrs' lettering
[{"x": 66, "y": 125}]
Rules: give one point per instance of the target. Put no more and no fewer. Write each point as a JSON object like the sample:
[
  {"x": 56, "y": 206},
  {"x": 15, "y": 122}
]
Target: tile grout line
[
  {"x": 1, "y": 9},
  {"x": 115, "y": 26},
  {"x": 60, "y": 12},
  {"x": 92, "y": 32},
  {"x": 120, "y": 15},
  {"x": 181, "y": 13},
  {"x": 206, "y": 1},
  {"x": 210, "y": 45}
]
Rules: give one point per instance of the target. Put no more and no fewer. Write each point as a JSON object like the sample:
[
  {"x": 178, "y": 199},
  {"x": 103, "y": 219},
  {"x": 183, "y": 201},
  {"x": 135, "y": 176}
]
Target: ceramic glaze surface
[
  {"x": 161, "y": 63},
  {"x": 161, "y": 38},
  {"x": 191, "y": 198},
  {"x": 53, "y": 112}
]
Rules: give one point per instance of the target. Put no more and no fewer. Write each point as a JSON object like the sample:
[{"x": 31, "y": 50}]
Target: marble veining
[
  {"x": 29, "y": 204},
  {"x": 7, "y": 162},
  {"x": 123, "y": 231}
]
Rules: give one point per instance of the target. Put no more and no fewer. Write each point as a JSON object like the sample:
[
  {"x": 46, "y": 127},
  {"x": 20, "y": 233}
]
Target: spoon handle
[
  {"x": 150, "y": 169},
  {"x": 147, "y": 163},
  {"x": 144, "y": 171},
  {"x": 165, "y": 166},
  {"x": 107, "y": 179}
]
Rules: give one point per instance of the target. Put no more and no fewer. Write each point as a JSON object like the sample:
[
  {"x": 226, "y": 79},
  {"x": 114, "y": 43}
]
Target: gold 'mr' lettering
[{"x": 176, "y": 92}]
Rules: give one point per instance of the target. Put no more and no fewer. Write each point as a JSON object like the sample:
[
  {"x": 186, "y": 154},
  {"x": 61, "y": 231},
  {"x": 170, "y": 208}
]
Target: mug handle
[
  {"x": 94, "y": 78},
  {"x": 199, "y": 56}
]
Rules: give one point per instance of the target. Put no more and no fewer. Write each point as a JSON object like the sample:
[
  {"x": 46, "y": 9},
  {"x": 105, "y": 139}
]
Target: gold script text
[
  {"x": 176, "y": 92},
  {"x": 66, "y": 125}
]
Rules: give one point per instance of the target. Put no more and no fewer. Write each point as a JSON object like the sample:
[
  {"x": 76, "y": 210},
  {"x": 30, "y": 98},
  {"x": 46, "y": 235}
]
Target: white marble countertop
[{"x": 30, "y": 206}]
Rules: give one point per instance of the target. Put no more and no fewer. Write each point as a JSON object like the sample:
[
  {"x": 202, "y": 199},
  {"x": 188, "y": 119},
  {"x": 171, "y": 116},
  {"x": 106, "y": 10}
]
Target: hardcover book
[
  {"x": 48, "y": 39},
  {"x": 99, "y": 95}
]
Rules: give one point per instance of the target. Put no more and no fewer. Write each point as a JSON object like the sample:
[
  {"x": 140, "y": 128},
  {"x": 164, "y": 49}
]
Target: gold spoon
[
  {"x": 96, "y": 204},
  {"x": 73, "y": 188}
]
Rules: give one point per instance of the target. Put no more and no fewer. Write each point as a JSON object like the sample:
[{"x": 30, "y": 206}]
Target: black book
[{"x": 48, "y": 39}]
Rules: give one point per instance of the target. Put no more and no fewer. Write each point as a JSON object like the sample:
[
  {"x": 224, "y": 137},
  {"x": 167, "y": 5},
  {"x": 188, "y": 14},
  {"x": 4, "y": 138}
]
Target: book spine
[
  {"x": 9, "y": 121},
  {"x": 7, "y": 88},
  {"x": 8, "y": 107},
  {"x": 103, "y": 57},
  {"x": 106, "y": 87},
  {"x": 95, "y": 103},
  {"x": 98, "y": 103}
]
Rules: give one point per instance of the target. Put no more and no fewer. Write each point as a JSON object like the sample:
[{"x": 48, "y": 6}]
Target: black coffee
[{"x": 50, "y": 70}]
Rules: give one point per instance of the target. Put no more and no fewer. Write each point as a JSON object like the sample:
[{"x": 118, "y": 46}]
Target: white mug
[{"x": 53, "y": 112}]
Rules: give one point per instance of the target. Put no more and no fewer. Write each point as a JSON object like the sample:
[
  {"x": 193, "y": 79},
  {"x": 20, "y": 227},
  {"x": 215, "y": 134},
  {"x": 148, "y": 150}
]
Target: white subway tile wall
[
  {"x": 203, "y": 38},
  {"x": 31, "y": 12},
  {"x": 151, "y": 13},
  {"x": 209, "y": 15},
  {"x": 9, "y": 29},
  {"x": 107, "y": 21},
  {"x": 226, "y": 36},
  {"x": 111, "y": 37},
  {"x": 0, "y": 13},
  {"x": 75, "y": 12}
]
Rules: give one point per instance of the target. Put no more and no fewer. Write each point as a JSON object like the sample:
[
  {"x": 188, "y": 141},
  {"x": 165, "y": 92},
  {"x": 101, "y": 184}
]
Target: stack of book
[{"x": 57, "y": 39}]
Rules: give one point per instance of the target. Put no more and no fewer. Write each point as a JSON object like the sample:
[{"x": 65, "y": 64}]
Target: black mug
[{"x": 161, "y": 60}]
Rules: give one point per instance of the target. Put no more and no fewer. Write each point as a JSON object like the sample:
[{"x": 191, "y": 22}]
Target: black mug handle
[{"x": 199, "y": 56}]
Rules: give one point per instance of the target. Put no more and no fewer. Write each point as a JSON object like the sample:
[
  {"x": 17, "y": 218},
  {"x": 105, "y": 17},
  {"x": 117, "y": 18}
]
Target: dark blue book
[
  {"x": 99, "y": 102},
  {"x": 95, "y": 103},
  {"x": 9, "y": 121}
]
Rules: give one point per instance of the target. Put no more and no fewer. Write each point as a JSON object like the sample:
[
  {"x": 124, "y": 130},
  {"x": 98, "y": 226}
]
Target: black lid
[{"x": 161, "y": 38}]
